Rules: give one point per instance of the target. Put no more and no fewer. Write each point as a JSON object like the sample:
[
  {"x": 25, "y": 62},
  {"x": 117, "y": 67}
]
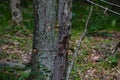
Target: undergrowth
[{"x": 84, "y": 67}]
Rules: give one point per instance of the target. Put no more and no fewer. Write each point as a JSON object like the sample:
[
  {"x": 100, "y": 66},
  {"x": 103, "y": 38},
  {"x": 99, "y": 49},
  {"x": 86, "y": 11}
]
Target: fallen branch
[
  {"x": 13, "y": 65},
  {"x": 78, "y": 44}
]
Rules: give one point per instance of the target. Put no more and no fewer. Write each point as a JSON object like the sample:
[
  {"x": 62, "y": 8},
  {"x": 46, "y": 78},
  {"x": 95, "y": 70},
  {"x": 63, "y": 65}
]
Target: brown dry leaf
[
  {"x": 94, "y": 57},
  {"x": 5, "y": 47},
  {"x": 90, "y": 72}
]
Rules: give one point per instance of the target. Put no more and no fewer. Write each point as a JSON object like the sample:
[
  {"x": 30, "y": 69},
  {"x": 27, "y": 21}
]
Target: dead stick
[{"x": 78, "y": 45}]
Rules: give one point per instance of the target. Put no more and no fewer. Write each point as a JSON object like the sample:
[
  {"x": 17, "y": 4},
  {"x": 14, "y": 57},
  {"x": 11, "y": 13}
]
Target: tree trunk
[
  {"x": 16, "y": 11},
  {"x": 64, "y": 24},
  {"x": 44, "y": 40}
]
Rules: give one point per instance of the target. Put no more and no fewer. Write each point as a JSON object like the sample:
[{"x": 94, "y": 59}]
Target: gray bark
[
  {"x": 16, "y": 11},
  {"x": 44, "y": 40},
  {"x": 64, "y": 24}
]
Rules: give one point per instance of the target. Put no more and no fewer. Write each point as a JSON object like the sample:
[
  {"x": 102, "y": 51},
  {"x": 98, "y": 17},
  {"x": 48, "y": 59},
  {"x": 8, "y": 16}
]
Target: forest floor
[
  {"x": 95, "y": 60},
  {"x": 16, "y": 47}
]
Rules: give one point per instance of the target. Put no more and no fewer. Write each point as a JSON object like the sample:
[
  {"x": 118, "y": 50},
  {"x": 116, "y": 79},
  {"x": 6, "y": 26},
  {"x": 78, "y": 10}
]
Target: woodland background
[{"x": 94, "y": 61}]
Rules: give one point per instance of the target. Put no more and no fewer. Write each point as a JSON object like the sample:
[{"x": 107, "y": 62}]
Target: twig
[{"x": 78, "y": 45}]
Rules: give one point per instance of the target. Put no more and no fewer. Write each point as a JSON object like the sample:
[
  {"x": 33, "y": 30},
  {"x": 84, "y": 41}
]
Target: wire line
[
  {"x": 103, "y": 7},
  {"x": 110, "y": 3}
]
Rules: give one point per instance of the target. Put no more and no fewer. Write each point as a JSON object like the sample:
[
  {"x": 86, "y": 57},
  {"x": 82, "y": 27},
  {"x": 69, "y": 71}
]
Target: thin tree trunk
[
  {"x": 64, "y": 24},
  {"x": 44, "y": 41},
  {"x": 16, "y": 11}
]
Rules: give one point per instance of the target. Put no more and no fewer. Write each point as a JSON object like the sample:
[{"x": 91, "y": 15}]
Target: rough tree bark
[
  {"x": 64, "y": 25},
  {"x": 16, "y": 11},
  {"x": 44, "y": 40},
  {"x": 50, "y": 46}
]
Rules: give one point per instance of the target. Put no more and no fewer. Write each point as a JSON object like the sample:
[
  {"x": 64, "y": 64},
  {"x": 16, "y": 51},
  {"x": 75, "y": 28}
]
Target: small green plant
[{"x": 112, "y": 61}]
